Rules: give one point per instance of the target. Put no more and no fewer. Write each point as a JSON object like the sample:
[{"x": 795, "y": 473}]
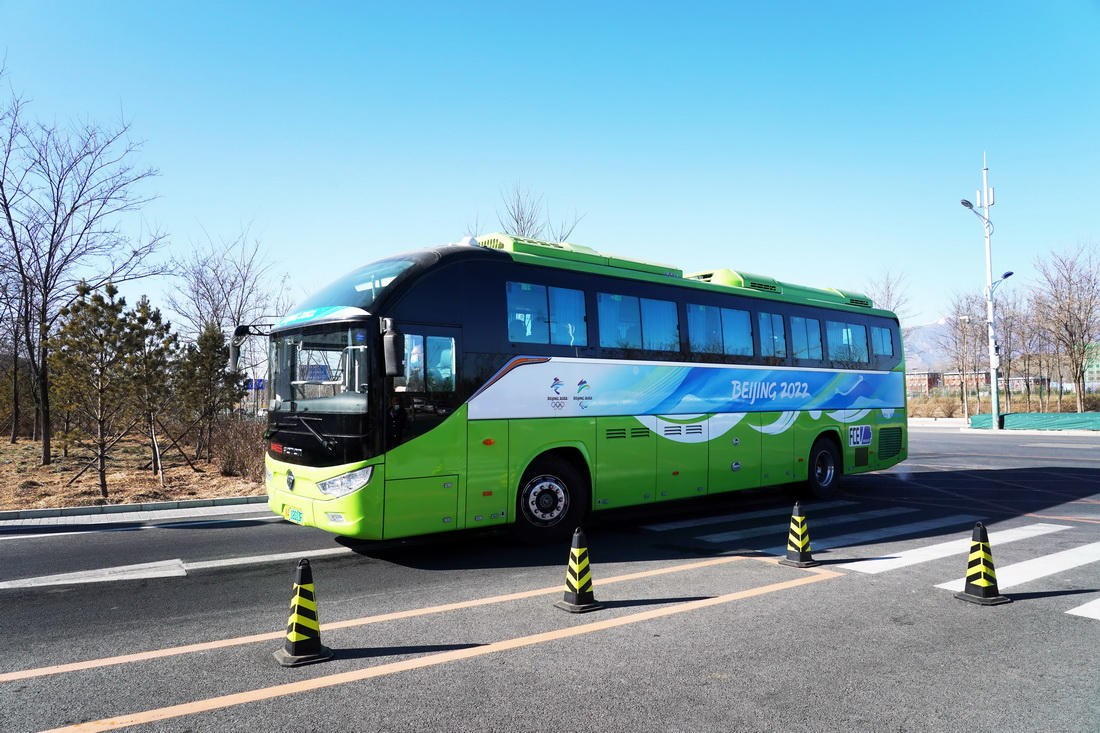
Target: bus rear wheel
[
  {"x": 823, "y": 480},
  {"x": 551, "y": 501}
]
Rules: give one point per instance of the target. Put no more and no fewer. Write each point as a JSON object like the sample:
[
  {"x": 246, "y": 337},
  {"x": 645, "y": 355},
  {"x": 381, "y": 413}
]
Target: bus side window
[
  {"x": 773, "y": 341},
  {"x": 441, "y": 364},
  {"x": 413, "y": 381},
  {"x": 620, "y": 321},
  {"x": 881, "y": 343},
  {"x": 660, "y": 325},
  {"x": 704, "y": 329},
  {"x": 736, "y": 332},
  {"x": 806, "y": 338},
  {"x": 847, "y": 342},
  {"x": 528, "y": 321},
  {"x": 568, "y": 325}
]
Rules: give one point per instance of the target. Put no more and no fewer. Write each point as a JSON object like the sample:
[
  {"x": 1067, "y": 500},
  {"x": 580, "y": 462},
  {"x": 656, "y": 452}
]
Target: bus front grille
[{"x": 889, "y": 442}]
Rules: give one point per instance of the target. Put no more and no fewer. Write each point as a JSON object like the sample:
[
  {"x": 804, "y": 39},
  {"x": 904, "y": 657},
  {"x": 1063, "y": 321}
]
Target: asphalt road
[{"x": 701, "y": 630}]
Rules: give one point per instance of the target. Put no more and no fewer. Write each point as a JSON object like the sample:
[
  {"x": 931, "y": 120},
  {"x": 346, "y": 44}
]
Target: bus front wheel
[
  {"x": 825, "y": 471},
  {"x": 551, "y": 501}
]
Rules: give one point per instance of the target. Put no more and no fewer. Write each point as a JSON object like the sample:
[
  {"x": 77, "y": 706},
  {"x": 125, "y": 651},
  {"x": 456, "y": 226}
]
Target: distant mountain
[{"x": 922, "y": 347}]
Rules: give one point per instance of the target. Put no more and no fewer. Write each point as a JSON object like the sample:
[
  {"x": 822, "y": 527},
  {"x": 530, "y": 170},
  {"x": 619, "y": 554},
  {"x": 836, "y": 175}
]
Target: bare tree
[
  {"x": 525, "y": 215},
  {"x": 960, "y": 340},
  {"x": 890, "y": 291},
  {"x": 228, "y": 282},
  {"x": 1074, "y": 315},
  {"x": 63, "y": 191},
  {"x": 1009, "y": 316}
]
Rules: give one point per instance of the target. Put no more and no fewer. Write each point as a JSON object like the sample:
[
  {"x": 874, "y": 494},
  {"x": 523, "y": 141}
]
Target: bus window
[
  {"x": 568, "y": 326},
  {"x": 704, "y": 329},
  {"x": 527, "y": 318},
  {"x": 736, "y": 332},
  {"x": 881, "y": 343},
  {"x": 773, "y": 342},
  {"x": 441, "y": 364},
  {"x": 847, "y": 342},
  {"x": 660, "y": 325},
  {"x": 413, "y": 381},
  {"x": 806, "y": 338},
  {"x": 620, "y": 321}
]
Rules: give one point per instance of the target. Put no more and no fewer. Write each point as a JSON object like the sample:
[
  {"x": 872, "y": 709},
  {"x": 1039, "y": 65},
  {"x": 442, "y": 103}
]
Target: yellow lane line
[
  {"x": 431, "y": 660},
  {"x": 270, "y": 636}
]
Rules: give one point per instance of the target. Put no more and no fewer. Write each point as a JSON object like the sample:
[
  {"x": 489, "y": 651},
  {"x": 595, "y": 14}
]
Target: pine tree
[
  {"x": 155, "y": 350},
  {"x": 206, "y": 387},
  {"x": 93, "y": 366}
]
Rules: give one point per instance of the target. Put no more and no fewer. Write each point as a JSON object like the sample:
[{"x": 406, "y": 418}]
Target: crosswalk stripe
[
  {"x": 881, "y": 533},
  {"x": 1039, "y": 567},
  {"x": 721, "y": 518},
  {"x": 946, "y": 549},
  {"x": 741, "y": 534},
  {"x": 1089, "y": 610}
]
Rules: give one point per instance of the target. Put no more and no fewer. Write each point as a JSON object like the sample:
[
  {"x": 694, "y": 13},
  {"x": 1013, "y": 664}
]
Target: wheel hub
[{"x": 546, "y": 500}]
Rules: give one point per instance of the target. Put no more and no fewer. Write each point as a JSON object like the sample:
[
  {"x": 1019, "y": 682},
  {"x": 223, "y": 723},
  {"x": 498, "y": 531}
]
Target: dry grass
[{"x": 24, "y": 484}]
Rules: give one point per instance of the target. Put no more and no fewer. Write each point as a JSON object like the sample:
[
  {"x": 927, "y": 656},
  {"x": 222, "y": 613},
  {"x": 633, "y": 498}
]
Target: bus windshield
[
  {"x": 360, "y": 288},
  {"x": 320, "y": 369}
]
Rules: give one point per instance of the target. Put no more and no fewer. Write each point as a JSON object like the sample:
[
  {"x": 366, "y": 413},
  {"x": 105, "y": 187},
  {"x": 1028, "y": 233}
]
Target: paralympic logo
[{"x": 582, "y": 385}]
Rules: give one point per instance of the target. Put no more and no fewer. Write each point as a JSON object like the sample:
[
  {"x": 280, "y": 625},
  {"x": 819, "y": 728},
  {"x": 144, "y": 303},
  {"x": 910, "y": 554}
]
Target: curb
[{"x": 77, "y": 511}]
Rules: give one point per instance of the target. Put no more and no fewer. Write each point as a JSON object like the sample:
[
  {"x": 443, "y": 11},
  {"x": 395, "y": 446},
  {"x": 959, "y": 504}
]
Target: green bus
[{"x": 506, "y": 380}]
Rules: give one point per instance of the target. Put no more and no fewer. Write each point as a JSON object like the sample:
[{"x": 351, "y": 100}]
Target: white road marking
[
  {"x": 1076, "y": 446},
  {"x": 860, "y": 538},
  {"x": 1089, "y": 610},
  {"x": 946, "y": 549},
  {"x": 164, "y": 569},
  {"x": 1039, "y": 567},
  {"x": 721, "y": 518},
  {"x": 823, "y": 522}
]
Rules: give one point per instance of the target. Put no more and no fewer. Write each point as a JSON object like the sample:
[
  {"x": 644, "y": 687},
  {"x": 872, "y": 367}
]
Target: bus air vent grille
[
  {"x": 766, "y": 287},
  {"x": 672, "y": 430},
  {"x": 862, "y": 302},
  {"x": 889, "y": 442},
  {"x": 616, "y": 433},
  {"x": 693, "y": 430},
  {"x": 639, "y": 432}
]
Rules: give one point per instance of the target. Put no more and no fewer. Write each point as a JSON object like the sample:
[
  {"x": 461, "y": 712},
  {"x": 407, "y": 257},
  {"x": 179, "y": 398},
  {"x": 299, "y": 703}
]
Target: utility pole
[{"x": 983, "y": 201}]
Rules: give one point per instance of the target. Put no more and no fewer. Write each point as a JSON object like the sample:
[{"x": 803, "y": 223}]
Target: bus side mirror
[
  {"x": 240, "y": 333},
  {"x": 393, "y": 349}
]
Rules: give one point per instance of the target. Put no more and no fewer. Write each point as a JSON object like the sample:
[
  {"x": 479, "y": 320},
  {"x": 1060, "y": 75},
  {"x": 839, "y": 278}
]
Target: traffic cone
[
  {"x": 798, "y": 541},
  {"x": 578, "y": 578},
  {"x": 981, "y": 578},
  {"x": 303, "y": 631}
]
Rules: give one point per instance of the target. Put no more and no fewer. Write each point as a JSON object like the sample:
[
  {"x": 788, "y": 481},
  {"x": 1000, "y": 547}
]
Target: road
[{"x": 701, "y": 630}]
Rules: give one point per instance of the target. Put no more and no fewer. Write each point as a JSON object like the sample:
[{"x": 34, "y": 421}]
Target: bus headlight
[{"x": 346, "y": 483}]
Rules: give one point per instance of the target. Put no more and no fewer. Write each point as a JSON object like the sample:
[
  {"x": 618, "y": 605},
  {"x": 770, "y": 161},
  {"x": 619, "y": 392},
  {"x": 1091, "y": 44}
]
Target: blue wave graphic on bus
[
  {"x": 627, "y": 388},
  {"x": 671, "y": 390}
]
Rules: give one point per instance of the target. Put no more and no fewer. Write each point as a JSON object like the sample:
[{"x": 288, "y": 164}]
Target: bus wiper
[{"x": 326, "y": 443}]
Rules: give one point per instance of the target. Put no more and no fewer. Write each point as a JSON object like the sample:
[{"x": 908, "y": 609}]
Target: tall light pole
[{"x": 984, "y": 201}]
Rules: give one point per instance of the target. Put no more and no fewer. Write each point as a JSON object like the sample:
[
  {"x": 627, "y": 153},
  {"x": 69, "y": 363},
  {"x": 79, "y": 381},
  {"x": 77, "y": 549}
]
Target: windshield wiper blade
[{"x": 325, "y": 442}]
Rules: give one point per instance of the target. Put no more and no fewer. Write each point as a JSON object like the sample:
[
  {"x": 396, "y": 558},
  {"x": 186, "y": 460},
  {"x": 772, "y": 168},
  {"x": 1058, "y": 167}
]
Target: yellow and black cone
[
  {"x": 798, "y": 541},
  {"x": 981, "y": 578},
  {"x": 303, "y": 630},
  {"x": 579, "y": 597}
]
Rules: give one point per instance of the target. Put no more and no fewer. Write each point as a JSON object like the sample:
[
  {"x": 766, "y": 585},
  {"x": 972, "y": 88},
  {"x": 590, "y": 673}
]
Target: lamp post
[{"x": 984, "y": 201}]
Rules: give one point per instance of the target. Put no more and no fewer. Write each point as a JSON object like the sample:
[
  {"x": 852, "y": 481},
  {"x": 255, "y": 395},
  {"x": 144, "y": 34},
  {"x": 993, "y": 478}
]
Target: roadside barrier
[
  {"x": 798, "y": 541},
  {"x": 303, "y": 630},
  {"x": 578, "y": 597},
  {"x": 981, "y": 578}
]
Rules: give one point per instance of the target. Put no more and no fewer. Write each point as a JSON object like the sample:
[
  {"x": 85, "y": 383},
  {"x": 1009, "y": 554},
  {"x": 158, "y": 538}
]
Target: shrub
[{"x": 239, "y": 447}]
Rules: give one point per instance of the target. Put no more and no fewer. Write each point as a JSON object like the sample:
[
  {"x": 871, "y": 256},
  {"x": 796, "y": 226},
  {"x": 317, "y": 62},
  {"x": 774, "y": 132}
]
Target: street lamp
[{"x": 983, "y": 201}]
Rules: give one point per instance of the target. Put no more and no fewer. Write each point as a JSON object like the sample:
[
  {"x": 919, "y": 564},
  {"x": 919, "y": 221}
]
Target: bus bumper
[{"x": 358, "y": 514}]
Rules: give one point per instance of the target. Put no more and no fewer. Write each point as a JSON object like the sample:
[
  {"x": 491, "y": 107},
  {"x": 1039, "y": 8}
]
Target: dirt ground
[{"x": 24, "y": 484}]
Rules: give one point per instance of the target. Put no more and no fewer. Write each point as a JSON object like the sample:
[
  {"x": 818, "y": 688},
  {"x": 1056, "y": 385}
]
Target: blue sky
[{"x": 820, "y": 143}]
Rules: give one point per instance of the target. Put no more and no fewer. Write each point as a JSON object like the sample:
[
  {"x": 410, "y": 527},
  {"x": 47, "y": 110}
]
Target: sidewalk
[{"x": 131, "y": 513}]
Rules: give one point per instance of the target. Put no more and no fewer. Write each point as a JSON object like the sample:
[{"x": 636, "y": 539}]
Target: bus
[{"x": 507, "y": 380}]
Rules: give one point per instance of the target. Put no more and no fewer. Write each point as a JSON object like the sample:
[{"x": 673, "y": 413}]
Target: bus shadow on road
[
  {"x": 871, "y": 509},
  {"x": 397, "y": 651}
]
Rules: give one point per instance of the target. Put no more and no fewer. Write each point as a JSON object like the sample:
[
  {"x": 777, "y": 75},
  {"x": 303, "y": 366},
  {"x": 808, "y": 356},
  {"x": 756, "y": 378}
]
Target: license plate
[{"x": 294, "y": 515}]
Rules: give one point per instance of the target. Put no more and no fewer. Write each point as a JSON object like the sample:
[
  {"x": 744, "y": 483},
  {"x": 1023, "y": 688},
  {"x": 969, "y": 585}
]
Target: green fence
[{"x": 1041, "y": 421}]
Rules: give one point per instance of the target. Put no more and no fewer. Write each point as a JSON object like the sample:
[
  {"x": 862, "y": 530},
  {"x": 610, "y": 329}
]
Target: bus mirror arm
[
  {"x": 393, "y": 349},
  {"x": 240, "y": 333}
]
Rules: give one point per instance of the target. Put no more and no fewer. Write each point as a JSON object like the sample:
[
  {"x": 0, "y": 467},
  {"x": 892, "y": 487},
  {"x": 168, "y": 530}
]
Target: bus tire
[
  {"x": 551, "y": 502},
  {"x": 825, "y": 469}
]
